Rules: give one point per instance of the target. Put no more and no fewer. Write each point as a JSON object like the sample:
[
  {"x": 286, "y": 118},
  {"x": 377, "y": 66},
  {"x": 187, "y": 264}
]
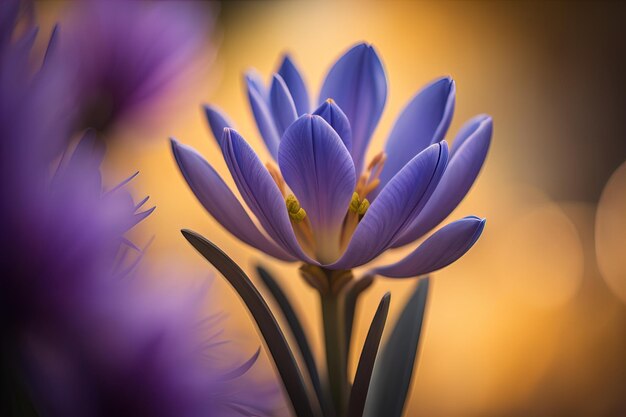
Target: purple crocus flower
[
  {"x": 140, "y": 351},
  {"x": 87, "y": 335},
  {"x": 323, "y": 205},
  {"x": 129, "y": 56}
]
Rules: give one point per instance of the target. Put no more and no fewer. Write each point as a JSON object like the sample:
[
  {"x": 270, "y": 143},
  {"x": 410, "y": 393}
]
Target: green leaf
[
  {"x": 265, "y": 320},
  {"x": 393, "y": 369},
  {"x": 299, "y": 335},
  {"x": 363, "y": 376}
]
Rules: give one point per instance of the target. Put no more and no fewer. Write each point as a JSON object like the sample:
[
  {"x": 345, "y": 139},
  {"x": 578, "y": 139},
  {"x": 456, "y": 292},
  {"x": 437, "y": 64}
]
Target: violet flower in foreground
[
  {"x": 82, "y": 334},
  {"x": 322, "y": 205}
]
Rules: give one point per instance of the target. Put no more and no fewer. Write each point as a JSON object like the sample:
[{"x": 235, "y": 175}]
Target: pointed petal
[
  {"x": 90, "y": 149},
  {"x": 336, "y": 118},
  {"x": 53, "y": 45},
  {"x": 218, "y": 121},
  {"x": 424, "y": 121},
  {"x": 255, "y": 81},
  {"x": 260, "y": 192},
  {"x": 220, "y": 202},
  {"x": 319, "y": 170},
  {"x": 297, "y": 87},
  {"x": 358, "y": 84},
  {"x": 438, "y": 251},
  {"x": 396, "y": 206},
  {"x": 282, "y": 105},
  {"x": 82, "y": 170},
  {"x": 262, "y": 114},
  {"x": 469, "y": 151}
]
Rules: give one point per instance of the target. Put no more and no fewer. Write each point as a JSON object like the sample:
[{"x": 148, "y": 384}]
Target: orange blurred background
[{"x": 532, "y": 321}]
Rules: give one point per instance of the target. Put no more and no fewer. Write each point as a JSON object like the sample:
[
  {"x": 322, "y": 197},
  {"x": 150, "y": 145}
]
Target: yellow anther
[
  {"x": 365, "y": 204},
  {"x": 296, "y": 213},
  {"x": 357, "y": 205},
  {"x": 330, "y": 101}
]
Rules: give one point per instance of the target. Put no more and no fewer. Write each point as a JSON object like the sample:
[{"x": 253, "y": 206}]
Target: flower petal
[
  {"x": 469, "y": 151},
  {"x": 424, "y": 121},
  {"x": 358, "y": 84},
  {"x": 262, "y": 114},
  {"x": 438, "y": 251},
  {"x": 220, "y": 202},
  {"x": 319, "y": 170},
  {"x": 336, "y": 118},
  {"x": 218, "y": 121},
  {"x": 282, "y": 105},
  {"x": 260, "y": 192},
  {"x": 396, "y": 206},
  {"x": 296, "y": 85}
]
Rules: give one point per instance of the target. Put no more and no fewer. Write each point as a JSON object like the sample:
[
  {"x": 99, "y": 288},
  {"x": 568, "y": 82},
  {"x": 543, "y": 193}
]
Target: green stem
[{"x": 336, "y": 355}]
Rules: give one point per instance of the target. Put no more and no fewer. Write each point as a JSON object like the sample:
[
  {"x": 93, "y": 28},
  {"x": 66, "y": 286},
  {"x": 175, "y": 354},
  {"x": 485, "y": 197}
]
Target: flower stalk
[{"x": 333, "y": 312}]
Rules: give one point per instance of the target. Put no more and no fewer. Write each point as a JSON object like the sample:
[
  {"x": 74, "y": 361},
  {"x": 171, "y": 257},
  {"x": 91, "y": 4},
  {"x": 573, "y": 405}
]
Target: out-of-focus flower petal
[
  {"x": 260, "y": 192},
  {"x": 296, "y": 85},
  {"x": 127, "y": 57},
  {"x": 318, "y": 168},
  {"x": 262, "y": 114},
  {"x": 282, "y": 105},
  {"x": 469, "y": 151},
  {"x": 218, "y": 200},
  {"x": 255, "y": 81},
  {"x": 84, "y": 163},
  {"x": 396, "y": 206},
  {"x": 438, "y": 251},
  {"x": 424, "y": 121},
  {"x": 218, "y": 121},
  {"x": 137, "y": 350},
  {"x": 336, "y": 118},
  {"x": 358, "y": 84}
]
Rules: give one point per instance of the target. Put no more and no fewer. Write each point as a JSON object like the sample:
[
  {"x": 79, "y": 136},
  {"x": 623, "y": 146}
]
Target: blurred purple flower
[
  {"x": 75, "y": 319},
  {"x": 129, "y": 56},
  {"x": 322, "y": 206},
  {"x": 135, "y": 351}
]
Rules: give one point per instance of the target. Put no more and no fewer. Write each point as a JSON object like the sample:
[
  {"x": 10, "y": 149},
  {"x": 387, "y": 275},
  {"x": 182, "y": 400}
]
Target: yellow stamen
[
  {"x": 296, "y": 213},
  {"x": 380, "y": 157},
  {"x": 369, "y": 180},
  {"x": 357, "y": 205},
  {"x": 301, "y": 224},
  {"x": 276, "y": 176}
]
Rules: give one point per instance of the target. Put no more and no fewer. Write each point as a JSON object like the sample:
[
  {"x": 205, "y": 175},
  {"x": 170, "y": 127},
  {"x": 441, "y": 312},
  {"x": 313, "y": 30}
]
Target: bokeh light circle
[
  {"x": 610, "y": 233},
  {"x": 540, "y": 256}
]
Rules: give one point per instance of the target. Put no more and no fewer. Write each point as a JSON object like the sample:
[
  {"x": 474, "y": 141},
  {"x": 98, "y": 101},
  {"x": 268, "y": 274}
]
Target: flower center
[{"x": 359, "y": 204}]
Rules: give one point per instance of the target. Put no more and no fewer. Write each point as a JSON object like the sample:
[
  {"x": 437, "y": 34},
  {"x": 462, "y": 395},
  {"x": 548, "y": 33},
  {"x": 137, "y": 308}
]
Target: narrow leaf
[
  {"x": 393, "y": 370},
  {"x": 352, "y": 295},
  {"x": 243, "y": 368},
  {"x": 363, "y": 375},
  {"x": 265, "y": 320},
  {"x": 299, "y": 335}
]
